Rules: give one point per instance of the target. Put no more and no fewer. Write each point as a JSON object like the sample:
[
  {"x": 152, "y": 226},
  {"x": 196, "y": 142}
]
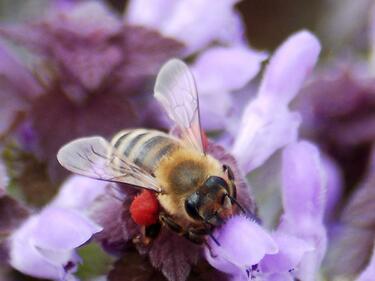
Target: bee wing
[
  {"x": 94, "y": 157},
  {"x": 175, "y": 89}
]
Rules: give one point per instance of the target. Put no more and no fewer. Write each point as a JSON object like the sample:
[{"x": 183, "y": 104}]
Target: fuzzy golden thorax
[{"x": 180, "y": 174}]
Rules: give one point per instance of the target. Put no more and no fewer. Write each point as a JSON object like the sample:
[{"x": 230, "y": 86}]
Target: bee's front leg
[
  {"x": 195, "y": 235},
  {"x": 171, "y": 224}
]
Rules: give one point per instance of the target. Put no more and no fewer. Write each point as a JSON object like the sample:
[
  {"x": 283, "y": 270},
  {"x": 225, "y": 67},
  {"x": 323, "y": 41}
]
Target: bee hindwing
[
  {"x": 94, "y": 157},
  {"x": 175, "y": 89}
]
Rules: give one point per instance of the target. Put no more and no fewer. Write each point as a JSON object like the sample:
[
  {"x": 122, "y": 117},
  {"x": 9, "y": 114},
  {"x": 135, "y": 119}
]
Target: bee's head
[{"x": 212, "y": 202}]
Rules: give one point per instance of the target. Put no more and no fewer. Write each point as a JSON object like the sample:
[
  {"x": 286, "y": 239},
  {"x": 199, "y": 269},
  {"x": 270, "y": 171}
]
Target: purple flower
[
  {"x": 298, "y": 244},
  {"x": 92, "y": 70},
  {"x": 268, "y": 114},
  {"x": 44, "y": 246},
  {"x": 189, "y": 22}
]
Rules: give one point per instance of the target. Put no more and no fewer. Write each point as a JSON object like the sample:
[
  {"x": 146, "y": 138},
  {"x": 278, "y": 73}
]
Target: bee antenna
[{"x": 237, "y": 203}]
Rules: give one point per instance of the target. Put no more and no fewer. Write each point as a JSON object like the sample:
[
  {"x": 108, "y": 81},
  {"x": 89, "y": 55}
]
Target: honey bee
[{"x": 195, "y": 192}]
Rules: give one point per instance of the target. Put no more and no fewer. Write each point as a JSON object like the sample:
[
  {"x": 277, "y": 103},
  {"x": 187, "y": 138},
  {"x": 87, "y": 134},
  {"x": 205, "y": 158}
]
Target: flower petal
[
  {"x": 289, "y": 67},
  {"x": 27, "y": 258},
  {"x": 79, "y": 192},
  {"x": 303, "y": 180},
  {"x": 291, "y": 251},
  {"x": 62, "y": 229},
  {"x": 267, "y": 119},
  {"x": 226, "y": 68},
  {"x": 263, "y": 130},
  {"x": 189, "y": 22},
  {"x": 243, "y": 243}
]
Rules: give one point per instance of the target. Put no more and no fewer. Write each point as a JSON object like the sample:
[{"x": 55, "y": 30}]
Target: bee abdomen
[{"x": 144, "y": 147}]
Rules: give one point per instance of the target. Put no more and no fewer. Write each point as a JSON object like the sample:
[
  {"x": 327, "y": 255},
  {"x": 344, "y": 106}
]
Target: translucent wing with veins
[
  {"x": 94, "y": 157},
  {"x": 175, "y": 89}
]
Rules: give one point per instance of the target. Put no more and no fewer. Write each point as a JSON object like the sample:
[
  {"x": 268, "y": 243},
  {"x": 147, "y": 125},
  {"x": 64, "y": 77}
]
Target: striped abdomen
[{"x": 144, "y": 147}]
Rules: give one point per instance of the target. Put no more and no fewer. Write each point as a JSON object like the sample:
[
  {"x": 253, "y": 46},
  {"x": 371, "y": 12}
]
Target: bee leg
[
  {"x": 195, "y": 236},
  {"x": 171, "y": 224}
]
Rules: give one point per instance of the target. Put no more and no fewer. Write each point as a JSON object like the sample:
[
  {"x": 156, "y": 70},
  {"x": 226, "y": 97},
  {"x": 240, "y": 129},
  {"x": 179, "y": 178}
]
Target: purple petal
[
  {"x": 263, "y": 130},
  {"x": 62, "y": 229},
  {"x": 303, "y": 180},
  {"x": 289, "y": 67},
  {"x": 215, "y": 107},
  {"x": 226, "y": 68},
  {"x": 189, "y": 22},
  {"x": 79, "y": 193},
  {"x": 149, "y": 13},
  {"x": 291, "y": 251},
  {"x": 26, "y": 257},
  {"x": 243, "y": 243},
  {"x": 267, "y": 124},
  {"x": 369, "y": 273}
]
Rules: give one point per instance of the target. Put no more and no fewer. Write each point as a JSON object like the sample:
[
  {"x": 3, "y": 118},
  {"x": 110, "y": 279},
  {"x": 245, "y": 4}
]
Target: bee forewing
[
  {"x": 94, "y": 157},
  {"x": 175, "y": 89}
]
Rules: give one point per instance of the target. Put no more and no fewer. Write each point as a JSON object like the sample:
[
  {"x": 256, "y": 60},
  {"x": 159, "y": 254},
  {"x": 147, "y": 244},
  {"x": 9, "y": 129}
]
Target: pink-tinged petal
[
  {"x": 291, "y": 251},
  {"x": 79, "y": 193},
  {"x": 369, "y": 273},
  {"x": 289, "y": 67},
  {"x": 26, "y": 257},
  {"x": 263, "y": 130},
  {"x": 243, "y": 243},
  {"x": 226, "y": 68},
  {"x": 61, "y": 229}
]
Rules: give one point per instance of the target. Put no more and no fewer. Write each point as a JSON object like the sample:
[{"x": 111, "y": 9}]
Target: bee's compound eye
[
  {"x": 191, "y": 206},
  {"x": 228, "y": 172}
]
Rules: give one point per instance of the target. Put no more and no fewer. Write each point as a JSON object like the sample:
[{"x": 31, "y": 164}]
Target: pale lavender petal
[
  {"x": 215, "y": 107},
  {"x": 79, "y": 193},
  {"x": 303, "y": 180},
  {"x": 191, "y": 24},
  {"x": 303, "y": 189},
  {"x": 31, "y": 259},
  {"x": 369, "y": 273},
  {"x": 289, "y": 67},
  {"x": 226, "y": 68},
  {"x": 149, "y": 13},
  {"x": 263, "y": 130},
  {"x": 291, "y": 251},
  {"x": 243, "y": 243},
  {"x": 267, "y": 124},
  {"x": 62, "y": 229}
]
